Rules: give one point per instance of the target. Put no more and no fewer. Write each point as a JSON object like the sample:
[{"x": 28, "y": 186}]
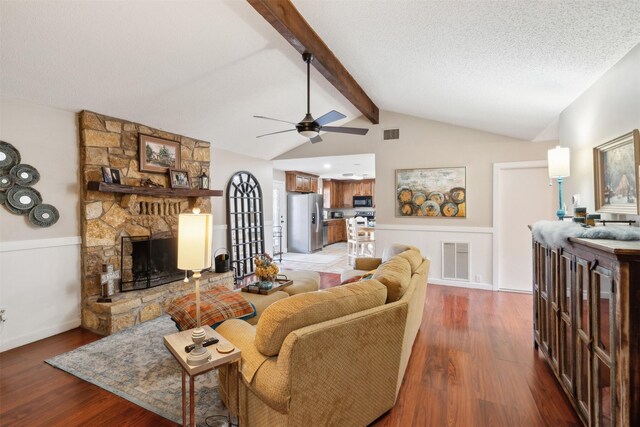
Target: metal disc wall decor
[
  {"x": 22, "y": 199},
  {"x": 9, "y": 156},
  {"x": 44, "y": 215},
  {"x": 6, "y": 181},
  {"x": 24, "y": 174},
  {"x": 16, "y": 193}
]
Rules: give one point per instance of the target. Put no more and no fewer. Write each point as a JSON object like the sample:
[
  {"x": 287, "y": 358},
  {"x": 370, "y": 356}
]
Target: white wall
[
  {"x": 429, "y": 144},
  {"x": 608, "y": 109},
  {"x": 40, "y": 267}
]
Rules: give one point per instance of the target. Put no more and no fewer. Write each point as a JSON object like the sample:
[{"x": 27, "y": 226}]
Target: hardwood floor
[{"x": 473, "y": 364}]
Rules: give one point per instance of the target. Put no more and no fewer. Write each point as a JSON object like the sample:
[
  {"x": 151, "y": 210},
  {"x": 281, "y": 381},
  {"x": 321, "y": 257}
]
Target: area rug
[{"x": 135, "y": 364}]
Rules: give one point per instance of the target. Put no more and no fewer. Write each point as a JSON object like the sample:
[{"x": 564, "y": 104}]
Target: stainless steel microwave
[{"x": 362, "y": 201}]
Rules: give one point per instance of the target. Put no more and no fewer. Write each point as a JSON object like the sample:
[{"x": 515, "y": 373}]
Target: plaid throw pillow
[{"x": 216, "y": 305}]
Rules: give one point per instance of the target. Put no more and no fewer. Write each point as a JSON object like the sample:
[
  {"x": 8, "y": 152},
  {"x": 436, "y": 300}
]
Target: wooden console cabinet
[{"x": 586, "y": 320}]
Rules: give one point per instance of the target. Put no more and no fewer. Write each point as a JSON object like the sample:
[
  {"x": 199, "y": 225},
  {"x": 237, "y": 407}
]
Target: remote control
[{"x": 205, "y": 343}]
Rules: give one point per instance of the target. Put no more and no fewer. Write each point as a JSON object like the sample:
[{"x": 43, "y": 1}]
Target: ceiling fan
[{"x": 310, "y": 127}]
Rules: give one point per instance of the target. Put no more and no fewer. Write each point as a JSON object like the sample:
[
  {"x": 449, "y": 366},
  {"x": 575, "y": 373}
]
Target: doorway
[
  {"x": 279, "y": 217},
  {"x": 522, "y": 196}
]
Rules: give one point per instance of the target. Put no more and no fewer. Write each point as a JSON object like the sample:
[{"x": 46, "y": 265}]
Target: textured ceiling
[
  {"x": 508, "y": 67},
  {"x": 204, "y": 68}
]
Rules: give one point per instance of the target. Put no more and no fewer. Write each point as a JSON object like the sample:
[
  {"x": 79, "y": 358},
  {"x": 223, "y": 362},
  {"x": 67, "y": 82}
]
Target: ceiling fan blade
[
  {"x": 274, "y": 133},
  {"x": 277, "y": 120},
  {"x": 316, "y": 139},
  {"x": 342, "y": 129},
  {"x": 331, "y": 116}
]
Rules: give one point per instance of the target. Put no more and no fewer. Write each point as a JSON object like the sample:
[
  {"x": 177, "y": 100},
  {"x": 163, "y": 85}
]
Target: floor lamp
[
  {"x": 559, "y": 167},
  {"x": 194, "y": 253}
]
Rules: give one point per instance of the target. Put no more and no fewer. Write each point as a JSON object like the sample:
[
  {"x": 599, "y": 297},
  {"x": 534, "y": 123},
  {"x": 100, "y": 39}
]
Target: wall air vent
[
  {"x": 390, "y": 134},
  {"x": 455, "y": 260}
]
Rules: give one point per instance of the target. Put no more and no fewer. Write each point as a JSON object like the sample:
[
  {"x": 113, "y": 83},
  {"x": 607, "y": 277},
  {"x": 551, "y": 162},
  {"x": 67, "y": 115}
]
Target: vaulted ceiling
[{"x": 204, "y": 69}]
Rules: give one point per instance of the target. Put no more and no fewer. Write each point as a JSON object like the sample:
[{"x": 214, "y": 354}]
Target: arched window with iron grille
[{"x": 245, "y": 222}]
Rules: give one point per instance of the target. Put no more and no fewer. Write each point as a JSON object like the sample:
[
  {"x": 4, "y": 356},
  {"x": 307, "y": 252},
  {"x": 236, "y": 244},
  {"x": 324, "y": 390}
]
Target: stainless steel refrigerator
[{"x": 304, "y": 218}]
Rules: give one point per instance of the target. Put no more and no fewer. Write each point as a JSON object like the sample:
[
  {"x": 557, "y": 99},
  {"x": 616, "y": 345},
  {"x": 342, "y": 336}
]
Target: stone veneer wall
[{"x": 107, "y": 217}]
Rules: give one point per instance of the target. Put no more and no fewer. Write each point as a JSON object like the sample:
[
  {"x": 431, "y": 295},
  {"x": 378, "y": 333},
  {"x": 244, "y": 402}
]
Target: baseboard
[
  {"x": 470, "y": 285},
  {"x": 516, "y": 291},
  {"x": 38, "y": 335}
]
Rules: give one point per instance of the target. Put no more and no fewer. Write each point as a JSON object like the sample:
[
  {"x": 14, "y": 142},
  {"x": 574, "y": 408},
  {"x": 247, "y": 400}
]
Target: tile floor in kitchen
[{"x": 331, "y": 259}]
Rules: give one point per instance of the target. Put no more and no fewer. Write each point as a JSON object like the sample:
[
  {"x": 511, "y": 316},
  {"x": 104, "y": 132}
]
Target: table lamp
[
  {"x": 194, "y": 253},
  {"x": 559, "y": 167}
]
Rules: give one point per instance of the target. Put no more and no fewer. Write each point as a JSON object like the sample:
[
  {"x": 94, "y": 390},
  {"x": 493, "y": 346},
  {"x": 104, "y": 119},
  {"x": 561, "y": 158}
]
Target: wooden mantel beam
[{"x": 286, "y": 19}]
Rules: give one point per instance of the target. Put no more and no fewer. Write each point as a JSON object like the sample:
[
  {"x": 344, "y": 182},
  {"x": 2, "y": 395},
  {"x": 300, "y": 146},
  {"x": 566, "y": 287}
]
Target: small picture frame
[
  {"x": 106, "y": 175},
  {"x": 179, "y": 178},
  {"x": 115, "y": 176}
]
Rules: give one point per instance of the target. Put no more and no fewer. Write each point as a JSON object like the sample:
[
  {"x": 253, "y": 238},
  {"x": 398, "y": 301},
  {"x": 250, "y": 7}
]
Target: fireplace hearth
[{"x": 149, "y": 277}]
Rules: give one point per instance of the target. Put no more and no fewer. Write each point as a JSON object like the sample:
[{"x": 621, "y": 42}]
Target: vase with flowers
[{"x": 266, "y": 271}]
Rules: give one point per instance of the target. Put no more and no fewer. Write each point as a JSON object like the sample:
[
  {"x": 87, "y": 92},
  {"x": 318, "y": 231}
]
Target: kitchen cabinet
[
  {"x": 332, "y": 193},
  {"x": 363, "y": 187},
  {"x": 586, "y": 317},
  {"x": 347, "y": 194},
  {"x": 301, "y": 182},
  {"x": 337, "y": 231},
  {"x": 339, "y": 193}
]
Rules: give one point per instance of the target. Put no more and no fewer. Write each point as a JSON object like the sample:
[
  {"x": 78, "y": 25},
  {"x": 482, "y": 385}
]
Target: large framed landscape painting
[
  {"x": 617, "y": 172},
  {"x": 432, "y": 192},
  {"x": 158, "y": 155}
]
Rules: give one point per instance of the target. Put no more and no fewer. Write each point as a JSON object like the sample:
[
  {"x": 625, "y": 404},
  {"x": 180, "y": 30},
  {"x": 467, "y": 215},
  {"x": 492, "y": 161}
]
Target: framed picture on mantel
[
  {"x": 158, "y": 155},
  {"x": 617, "y": 173}
]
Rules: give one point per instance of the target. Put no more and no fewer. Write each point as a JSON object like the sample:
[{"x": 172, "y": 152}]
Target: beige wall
[
  {"x": 47, "y": 139},
  {"x": 429, "y": 144},
  {"x": 224, "y": 164},
  {"x": 608, "y": 109}
]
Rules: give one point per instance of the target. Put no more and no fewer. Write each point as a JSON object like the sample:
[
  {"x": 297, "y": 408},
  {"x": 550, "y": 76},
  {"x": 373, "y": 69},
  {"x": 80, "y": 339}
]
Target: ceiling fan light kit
[{"x": 310, "y": 127}]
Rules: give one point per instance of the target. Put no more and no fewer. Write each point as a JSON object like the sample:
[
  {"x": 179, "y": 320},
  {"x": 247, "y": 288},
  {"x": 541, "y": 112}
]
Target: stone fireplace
[{"x": 110, "y": 218}]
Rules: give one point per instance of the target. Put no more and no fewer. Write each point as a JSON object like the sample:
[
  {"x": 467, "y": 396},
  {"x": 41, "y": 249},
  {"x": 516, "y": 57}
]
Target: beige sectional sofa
[
  {"x": 330, "y": 357},
  {"x": 303, "y": 281}
]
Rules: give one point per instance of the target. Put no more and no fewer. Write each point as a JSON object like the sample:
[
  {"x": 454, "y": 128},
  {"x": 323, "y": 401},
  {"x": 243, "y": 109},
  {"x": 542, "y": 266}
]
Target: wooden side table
[{"x": 176, "y": 343}]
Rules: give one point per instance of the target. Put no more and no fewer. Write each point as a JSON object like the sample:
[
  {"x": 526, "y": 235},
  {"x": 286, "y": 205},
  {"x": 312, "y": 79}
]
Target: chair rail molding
[{"x": 23, "y": 245}]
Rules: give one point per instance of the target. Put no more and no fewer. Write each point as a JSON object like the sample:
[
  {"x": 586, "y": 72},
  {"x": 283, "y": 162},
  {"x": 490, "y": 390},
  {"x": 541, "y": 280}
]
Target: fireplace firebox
[{"x": 148, "y": 262}]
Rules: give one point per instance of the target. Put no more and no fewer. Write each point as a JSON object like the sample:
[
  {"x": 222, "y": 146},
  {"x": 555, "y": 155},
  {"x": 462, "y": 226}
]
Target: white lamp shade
[
  {"x": 194, "y": 241},
  {"x": 559, "y": 165}
]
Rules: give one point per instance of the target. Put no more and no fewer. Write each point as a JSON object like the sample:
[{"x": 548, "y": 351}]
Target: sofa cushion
[
  {"x": 298, "y": 311},
  {"x": 395, "y": 274},
  {"x": 414, "y": 257}
]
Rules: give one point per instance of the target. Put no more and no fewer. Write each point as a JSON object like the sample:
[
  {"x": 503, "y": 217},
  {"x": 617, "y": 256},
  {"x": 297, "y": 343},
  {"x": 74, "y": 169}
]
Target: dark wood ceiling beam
[{"x": 286, "y": 19}]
